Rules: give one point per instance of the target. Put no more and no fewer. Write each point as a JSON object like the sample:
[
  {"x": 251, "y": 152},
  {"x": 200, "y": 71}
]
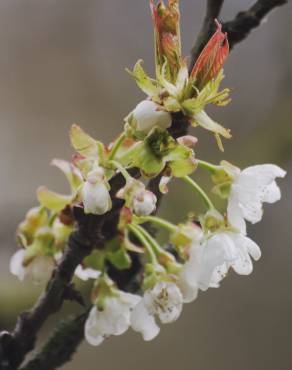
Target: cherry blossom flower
[
  {"x": 249, "y": 190},
  {"x": 210, "y": 260}
]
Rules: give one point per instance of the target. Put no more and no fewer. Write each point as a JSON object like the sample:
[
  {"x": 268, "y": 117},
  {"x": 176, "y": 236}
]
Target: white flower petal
[
  {"x": 86, "y": 273},
  {"x": 144, "y": 323},
  {"x": 92, "y": 330},
  {"x": 266, "y": 172},
  {"x": 218, "y": 250},
  {"x": 246, "y": 247},
  {"x": 164, "y": 300},
  {"x": 272, "y": 193},
  {"x": 235, "y": 215},
  {"x": 147, "y": 115},
  {"x": 114, "y": 319},
  {"x": 250, "y": 189},
  {"x": 40, "y": 269},
  {"x": 16, "y": 267},
  {"x": 96, "y": 198}
]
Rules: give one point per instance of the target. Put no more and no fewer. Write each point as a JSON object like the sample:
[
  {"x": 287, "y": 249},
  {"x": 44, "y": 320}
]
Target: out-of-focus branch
[
  {"x": 239, "y": 28},
  {"x": 61, "y": 346},
  {"x": 23, "y": 338}
]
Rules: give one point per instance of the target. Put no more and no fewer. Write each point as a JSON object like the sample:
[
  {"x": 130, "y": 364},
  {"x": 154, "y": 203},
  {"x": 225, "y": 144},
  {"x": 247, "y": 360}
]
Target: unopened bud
[
  {"x": 148, "y": 114},
  {"x": 188, "y": 140},
  {"x": 144, "y": 203}
]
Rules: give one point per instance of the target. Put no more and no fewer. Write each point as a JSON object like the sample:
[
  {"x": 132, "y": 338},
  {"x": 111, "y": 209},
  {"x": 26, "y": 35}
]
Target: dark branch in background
[
  {"x": 245, "y": 22},
  {"x": 93, "y": 231}
]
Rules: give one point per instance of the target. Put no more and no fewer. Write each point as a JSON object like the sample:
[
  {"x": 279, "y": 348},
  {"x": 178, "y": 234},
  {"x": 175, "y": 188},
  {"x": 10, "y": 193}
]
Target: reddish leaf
[{"x": 211, "y": 58}]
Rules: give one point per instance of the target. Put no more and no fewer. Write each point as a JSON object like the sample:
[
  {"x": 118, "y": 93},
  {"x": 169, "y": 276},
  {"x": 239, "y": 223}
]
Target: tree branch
[{"x": 239, "y": 28}]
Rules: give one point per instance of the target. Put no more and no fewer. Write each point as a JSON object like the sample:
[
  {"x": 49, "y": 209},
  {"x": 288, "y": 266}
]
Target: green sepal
[
  {"x": 145, "y": 159},
  {"x": 120, "y": 259},
  {"x": 95, "y": 260},
  {"x": 118, "y": 255},
  {"x": 222, "y": 190},
  {"x": 148, "y": 85},
  {"x": 181, "y": 161}
]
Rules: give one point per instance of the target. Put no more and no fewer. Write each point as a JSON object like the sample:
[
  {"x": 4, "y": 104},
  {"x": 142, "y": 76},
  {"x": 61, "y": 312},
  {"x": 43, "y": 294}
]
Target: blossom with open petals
[
  {"x": 210, "y": 261},
  {"x": 249, "y": 190}
]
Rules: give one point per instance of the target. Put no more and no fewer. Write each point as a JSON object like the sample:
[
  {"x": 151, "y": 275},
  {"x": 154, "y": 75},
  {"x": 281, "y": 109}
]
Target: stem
[
  {"x": 165, "y": 258},
  {"x": 155, "y": 246},
  {"x": 136, "y": 231},
  {"x": 200, "y": 191},
  {"x": 122, "y": 169},
  {"x": 116, "y": 146},
  {"x": 207, "y": 166},
  {"x": 159, "y": 222}
]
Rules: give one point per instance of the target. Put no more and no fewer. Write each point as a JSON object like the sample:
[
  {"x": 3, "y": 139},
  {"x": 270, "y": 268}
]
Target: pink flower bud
[{"x": 188, "y": 140}]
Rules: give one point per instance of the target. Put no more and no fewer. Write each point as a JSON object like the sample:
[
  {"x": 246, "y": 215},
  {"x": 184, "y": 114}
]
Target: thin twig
[{"x": 239, "y": 28}]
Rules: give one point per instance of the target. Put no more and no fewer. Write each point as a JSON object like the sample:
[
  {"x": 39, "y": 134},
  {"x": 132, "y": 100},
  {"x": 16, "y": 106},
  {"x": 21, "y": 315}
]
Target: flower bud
[
  {"x": 147, "y": 114},
  {"x": 34, "y": 219},
  {"x": 95, "y": 194},
  {"x": 144, "y": 203},
  {"x": 167, "y": 35},
  {"x": 188, "y": 140}
]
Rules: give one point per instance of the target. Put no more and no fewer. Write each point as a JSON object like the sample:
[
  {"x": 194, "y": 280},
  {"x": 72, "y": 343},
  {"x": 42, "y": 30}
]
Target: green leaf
[{"x": 144, "y": 82}]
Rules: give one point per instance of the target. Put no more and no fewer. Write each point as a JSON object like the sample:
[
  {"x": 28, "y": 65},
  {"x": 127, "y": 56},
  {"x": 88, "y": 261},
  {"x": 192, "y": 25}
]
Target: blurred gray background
[{"x": 62, "y": 61}]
